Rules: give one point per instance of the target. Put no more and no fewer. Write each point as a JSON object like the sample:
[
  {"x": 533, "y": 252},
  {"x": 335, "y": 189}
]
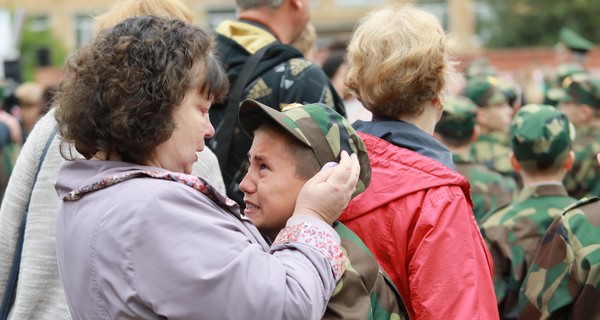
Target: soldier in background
[
  {"x": 563, "y": 281},
  {"x": 581, "y": 103},
  {"x": 541, "y": 139},
  {"x": 493, "y": 118},
  {"x": 571, "y": 47},
  {"x": 456, "y": 130},
  {"x": 555, "y": 83}
]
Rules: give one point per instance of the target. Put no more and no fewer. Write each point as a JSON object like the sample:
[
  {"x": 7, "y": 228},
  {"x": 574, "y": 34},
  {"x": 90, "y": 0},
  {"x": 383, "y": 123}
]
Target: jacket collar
[{"x": 408, "y": 136}]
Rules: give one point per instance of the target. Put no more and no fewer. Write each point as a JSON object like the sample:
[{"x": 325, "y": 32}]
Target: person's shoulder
[
  {"x": 589, "y": 207},
  {"x": 499, "y": 216}
]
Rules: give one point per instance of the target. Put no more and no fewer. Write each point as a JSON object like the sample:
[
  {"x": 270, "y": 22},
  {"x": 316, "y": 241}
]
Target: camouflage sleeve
[
  {"x": 564, "y": 279},
  {"x": 305, "y": 82},
  {"x": 493, "y": 235}
]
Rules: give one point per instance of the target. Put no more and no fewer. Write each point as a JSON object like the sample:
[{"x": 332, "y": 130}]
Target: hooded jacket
[{"x": 416, "y": 217}]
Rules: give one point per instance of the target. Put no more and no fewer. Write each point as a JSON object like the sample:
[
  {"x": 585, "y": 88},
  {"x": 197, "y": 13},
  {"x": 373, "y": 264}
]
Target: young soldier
[
  {"x": 289, "y": 148},
  {"x": 563, "y": 281},
  {"x": 581, "y": 104},
  {"x": 541, "y": 142},
  {"x": 456, "y": 129},
  {"x": 493, "y": 118}
]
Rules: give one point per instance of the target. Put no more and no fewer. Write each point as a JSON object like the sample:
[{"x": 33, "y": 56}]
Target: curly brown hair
[{"x": 120, "y": 91}]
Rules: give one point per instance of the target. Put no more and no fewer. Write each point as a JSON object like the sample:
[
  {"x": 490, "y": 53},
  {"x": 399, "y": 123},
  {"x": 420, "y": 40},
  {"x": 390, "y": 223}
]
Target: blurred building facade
[{"x": 71, "y": 20}]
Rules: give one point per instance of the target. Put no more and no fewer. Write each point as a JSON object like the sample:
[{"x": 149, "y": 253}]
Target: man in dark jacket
[{"x": 280, "y": 77}]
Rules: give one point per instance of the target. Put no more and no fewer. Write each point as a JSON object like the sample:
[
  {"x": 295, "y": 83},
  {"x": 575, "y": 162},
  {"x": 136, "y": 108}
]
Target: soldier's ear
[
  {"x": 514, "y": 162},
  {"x": 587, "y": 111},
  {"x": 475, "y": 134},
  {"x": 570, "y": 161}
]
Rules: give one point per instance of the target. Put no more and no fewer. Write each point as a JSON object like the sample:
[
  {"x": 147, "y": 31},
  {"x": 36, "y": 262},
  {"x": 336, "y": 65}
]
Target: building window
[
  {"x": 83, "y": 29},
  {"x": 39, "y": 23}
]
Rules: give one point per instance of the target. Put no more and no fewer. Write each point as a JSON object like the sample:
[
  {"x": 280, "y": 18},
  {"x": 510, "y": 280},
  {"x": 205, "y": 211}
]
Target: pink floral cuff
[{"x": 314, "y": 236}]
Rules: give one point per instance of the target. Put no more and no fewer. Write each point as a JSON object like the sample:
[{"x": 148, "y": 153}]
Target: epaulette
[{"x": 580, "y": 202}]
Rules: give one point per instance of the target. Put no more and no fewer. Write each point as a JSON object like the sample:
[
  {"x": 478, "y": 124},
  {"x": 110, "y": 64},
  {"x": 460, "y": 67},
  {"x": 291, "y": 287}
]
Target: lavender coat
[{"x": 150, "y": 248}]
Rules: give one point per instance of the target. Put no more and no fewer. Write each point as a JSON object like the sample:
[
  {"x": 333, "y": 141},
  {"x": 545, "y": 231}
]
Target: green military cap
[
  {"x": 583, "y": 89},
  {"x": 484, "y": 91},
  {"x": 564, "y": 76},
  {"x": 317, "y": 126},
  {"x": 458, "y": 118},
  {"x": 567, "y": 70},
  {"x": 573, "y": 41},
  {"x": 541, "y": 136}
]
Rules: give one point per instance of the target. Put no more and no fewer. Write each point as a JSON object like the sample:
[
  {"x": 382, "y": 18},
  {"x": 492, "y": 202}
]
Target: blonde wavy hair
[
  {"x": 399, "y": 58},
  {"x": 171, "y": 9}
]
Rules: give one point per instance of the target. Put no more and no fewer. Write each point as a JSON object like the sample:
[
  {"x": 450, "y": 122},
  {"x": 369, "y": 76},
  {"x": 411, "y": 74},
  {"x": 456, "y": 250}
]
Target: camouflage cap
[
  {"x": 316, "y": 125},
  {"x": 541, "y": 136},
  {"x": 484, "y": 91},
  {"x": 564, "y": 76},
  {"x": 573, "y": 41},
  {"x": 583, "y": 89},
  {"x": 567, "y": 70},
  {"x": 458, "y": 118}
]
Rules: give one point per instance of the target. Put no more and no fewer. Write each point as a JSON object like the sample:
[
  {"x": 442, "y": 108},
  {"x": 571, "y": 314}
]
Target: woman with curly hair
[{"x": 137, "y": 236}]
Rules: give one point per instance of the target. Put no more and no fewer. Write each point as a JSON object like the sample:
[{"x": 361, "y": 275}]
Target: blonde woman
[{"x": 416, "y": 216}]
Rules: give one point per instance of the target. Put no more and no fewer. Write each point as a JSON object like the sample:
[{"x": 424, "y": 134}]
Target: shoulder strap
[
  {"x": 11, "y": 284},
  {"x": 221, "y": 142}
]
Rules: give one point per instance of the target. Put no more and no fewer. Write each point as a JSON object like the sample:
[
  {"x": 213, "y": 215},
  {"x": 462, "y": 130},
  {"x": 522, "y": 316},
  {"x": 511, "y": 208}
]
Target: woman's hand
[{"x": 327, "y": 193}]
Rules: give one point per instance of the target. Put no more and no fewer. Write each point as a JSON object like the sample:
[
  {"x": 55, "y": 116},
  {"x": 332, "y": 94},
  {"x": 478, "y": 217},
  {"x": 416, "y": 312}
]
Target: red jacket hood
[{"x": 397, "y": 172}]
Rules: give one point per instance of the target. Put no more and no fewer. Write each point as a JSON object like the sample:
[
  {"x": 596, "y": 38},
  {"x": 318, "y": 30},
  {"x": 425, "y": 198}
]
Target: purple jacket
[{"x": 152, "y": 247}]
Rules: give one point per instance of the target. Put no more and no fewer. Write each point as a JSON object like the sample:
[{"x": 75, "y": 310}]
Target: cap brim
[{"x": 253, "y": 114}]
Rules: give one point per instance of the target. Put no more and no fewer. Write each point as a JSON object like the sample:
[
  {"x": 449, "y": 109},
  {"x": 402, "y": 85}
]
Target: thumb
[{"x": 325, "y": 172}]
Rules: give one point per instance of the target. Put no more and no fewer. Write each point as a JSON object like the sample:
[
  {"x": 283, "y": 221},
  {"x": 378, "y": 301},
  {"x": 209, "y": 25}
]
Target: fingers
[{"x": 347, "y": 172}]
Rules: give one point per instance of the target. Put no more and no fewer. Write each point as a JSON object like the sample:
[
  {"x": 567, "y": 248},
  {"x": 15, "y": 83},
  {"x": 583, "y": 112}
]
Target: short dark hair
[
  {"x": 304, "y": 157},
  {"x": 120, "y": 91}
]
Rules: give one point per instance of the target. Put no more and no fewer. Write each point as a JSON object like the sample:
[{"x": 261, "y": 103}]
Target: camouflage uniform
[
  {"x": 513, "y": 234},
  {"x": 364, "y": 290},
  {"x": 584, "y": 179},
  {"x": 564, "y": 279},
  {"x": 489, "y": 189},
  {"x": 491, "y": 150},
  {"x": 366, "y": 294}
]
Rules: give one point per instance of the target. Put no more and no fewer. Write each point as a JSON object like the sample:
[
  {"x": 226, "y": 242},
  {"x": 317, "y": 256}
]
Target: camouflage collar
[{"x": 549, "y": 189}]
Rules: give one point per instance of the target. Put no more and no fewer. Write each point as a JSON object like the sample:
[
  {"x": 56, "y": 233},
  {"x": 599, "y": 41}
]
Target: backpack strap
[
  {"x": 221, "y": 142},
  {"x": 11, "y": 284}
]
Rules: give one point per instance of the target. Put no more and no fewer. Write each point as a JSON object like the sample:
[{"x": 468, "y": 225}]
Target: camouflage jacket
[
  {"x": 513, "y": 235},
  {"x": 564, "y": 279},
  {"x": 489, "y": 189},
  {"x": 493, "y": 151},
  {"x": 364, "y": 291},
  {"x": 584, "y": 178}
]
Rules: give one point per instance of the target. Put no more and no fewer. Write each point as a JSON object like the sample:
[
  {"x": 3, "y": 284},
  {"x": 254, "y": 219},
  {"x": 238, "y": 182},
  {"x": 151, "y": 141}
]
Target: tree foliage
[
  {"x": 523, "y": 23},
  {"x": 32, "y": 41}
]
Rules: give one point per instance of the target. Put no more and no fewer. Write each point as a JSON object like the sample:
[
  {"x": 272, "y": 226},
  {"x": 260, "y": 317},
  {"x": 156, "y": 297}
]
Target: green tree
[
  {"x": 34, "y": 40},
  {"x": 528, "y": 23}
]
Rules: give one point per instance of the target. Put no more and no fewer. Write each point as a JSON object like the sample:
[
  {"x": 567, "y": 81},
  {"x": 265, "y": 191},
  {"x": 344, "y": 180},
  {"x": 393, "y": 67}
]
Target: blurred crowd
[{"x": 509, "y": 161}]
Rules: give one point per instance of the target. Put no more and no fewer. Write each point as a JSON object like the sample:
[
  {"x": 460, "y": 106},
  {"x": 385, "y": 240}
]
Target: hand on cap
[{"x": 327, "y": 193}]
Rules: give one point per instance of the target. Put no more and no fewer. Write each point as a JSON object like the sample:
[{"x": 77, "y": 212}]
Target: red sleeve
[{"x": 450, "y": 269}]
